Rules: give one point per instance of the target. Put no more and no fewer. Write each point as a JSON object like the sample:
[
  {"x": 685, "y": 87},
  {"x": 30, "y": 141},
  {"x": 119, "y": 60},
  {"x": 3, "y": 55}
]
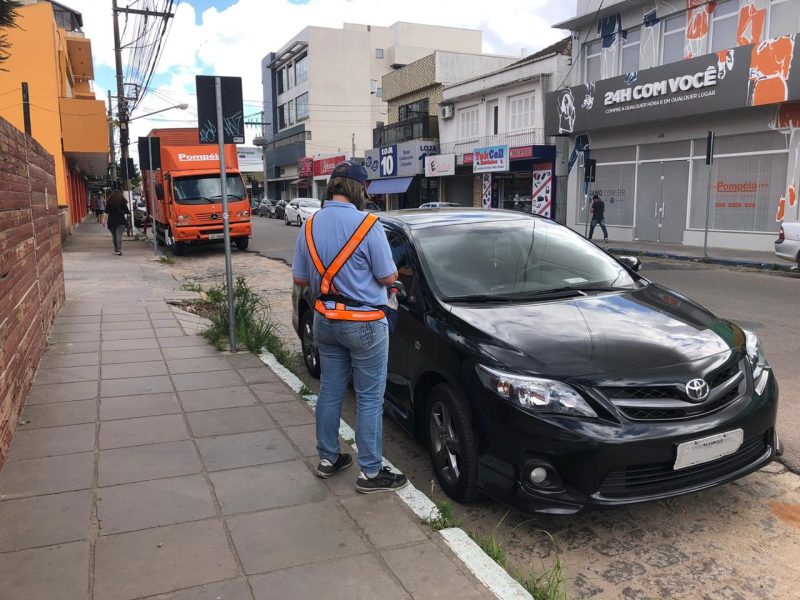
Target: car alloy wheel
[
  {"x": 309, "y": 347},
  {"x": 451, "y": 442}
]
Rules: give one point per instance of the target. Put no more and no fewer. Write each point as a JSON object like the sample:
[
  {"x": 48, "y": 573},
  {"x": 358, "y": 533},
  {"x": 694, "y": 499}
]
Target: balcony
[
  {"x": 512, "y": 139},
  {"x": 426, "y": 127}
]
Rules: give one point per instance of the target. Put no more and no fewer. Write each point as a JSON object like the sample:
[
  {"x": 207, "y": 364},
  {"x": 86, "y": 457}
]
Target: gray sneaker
[
  {"x": 326, "y": 468},
  {"x": 384, "y": 481}
]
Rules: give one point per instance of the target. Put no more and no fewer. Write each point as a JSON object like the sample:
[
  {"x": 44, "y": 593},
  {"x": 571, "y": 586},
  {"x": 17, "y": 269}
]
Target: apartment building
[
  {"x": 649, "y": 82},
  {"x": 50, "y": 54},
  {"x": 324, "y": 95}
]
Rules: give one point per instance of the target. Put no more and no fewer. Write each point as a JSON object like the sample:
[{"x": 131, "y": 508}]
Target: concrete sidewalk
[{"x": 150, "y": 465}]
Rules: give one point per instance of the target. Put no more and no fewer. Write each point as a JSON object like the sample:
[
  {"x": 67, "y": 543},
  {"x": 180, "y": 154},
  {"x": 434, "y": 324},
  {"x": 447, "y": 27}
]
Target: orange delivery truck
[{"x": 188, "y": 195}]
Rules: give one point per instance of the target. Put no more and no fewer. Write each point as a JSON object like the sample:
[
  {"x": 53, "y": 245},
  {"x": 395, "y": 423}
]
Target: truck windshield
[{"x": 205, "y": 189}]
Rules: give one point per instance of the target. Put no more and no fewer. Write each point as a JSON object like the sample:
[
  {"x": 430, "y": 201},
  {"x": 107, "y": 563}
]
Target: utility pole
[
  {"x": 122, "y": 110},
  {"x": 111, "y": 143},
  {"x": 26, "y": 108},
  {"x": 353, "y": 150}
]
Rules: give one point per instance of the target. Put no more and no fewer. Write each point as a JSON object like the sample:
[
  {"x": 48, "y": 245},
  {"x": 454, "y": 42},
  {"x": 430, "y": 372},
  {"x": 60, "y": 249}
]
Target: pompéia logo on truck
[
  {"x": 673, "y": 85},
  {"x": 183, "y": 157}
]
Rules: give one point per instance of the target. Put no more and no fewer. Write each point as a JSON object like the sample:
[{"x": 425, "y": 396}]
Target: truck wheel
[
  {"x": 159, "y": 235},
  {"x": 242, "y": 243},
  {"x": 179, "y": 248}
]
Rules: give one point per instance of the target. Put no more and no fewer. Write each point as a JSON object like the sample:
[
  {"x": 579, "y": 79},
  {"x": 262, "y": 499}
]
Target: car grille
[
  {"x": 630, "y": 482},
  {"x": 669, "y": 402}
]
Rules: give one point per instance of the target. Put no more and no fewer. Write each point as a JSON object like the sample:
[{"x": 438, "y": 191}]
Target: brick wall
[{"x": 31, "y": 269}]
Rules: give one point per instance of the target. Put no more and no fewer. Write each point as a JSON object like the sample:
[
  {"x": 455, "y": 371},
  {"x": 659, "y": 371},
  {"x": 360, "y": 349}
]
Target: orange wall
[{"x": 84, "y": 125}]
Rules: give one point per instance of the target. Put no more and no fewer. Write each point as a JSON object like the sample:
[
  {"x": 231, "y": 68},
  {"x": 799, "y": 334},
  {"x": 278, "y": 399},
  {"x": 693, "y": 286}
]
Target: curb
[
  {"x": 730, "y": 262},
  {"x": 488, "y": 572}
]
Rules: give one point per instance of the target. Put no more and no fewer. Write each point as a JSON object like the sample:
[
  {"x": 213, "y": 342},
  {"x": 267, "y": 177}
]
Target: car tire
[
  {"x": 451, "y": 443},
  {"x": 299, "y": 221},
  {"x": 309, "y": 348},
  {"x": 242, "y": 243},
  {"x": 286, "y": 220}
]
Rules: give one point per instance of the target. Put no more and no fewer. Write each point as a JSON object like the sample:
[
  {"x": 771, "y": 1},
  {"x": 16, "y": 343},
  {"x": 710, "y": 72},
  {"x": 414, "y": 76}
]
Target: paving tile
[
  {"x": 142, "y": 430},
  {"x": 304, "y": 437},
  {"x": 67, "y": 374},
  {"x": 180, "y": 342},
  {"x": 201, "y": 381},
  {"x": 198, "y": 365},
  {"x": 273, "y": 392},
  {"x": 78, "y": 336},
  {"x": 62, "y": 392},
  {"x": 243, "y": 360},
  {"x": 75, "y": 327},
  {"x": 226, "y": 397},
  {"x": 163, "y": 323},
  {"x": 229, "y": 420},
  {"x": 140, "y": 463},
  {"x": 121, "y": 318},
  {"x": 189, "y": 352},
  {"x": 64, "y": 320},
  {"x": 262, "y": 374},
  {"x": 129, "y": 311},
  {"x": 72, "y": 347},
  {"x": 169, "y": 332},
  {"x": 35, "y": 416},
  {"x": 384, "y": 519},
  {"x": 52, "y": 441},
  {"x": 290, "y": 413},
  {"x": 172, "y": 558},
  {"x": 138, "y": 324},
  {"x": 51, "y": 572},
  {"x": 143, "y": 344},
  {"x": 44, "y": 520},
  {"x": 355, "y": 577},
  {"x": 153, "y": 503},
  {"x": 135, "y": 385},
  {"x": 141, "y": 333},
  {"x": 136, "y": 369},
  {"x": 130, "y": 356},
  {"x": 50, "y": 475},
  {"x": 232, "y": 589},
  {"x": 267, "y": 486},
  {"x": 244, "y": 449},
  {"x": 279, "y": 538},
  {"x": 145, "y": 405},
  {"x": 84, "y": 359},
  {"x": 426, "y": 572}
]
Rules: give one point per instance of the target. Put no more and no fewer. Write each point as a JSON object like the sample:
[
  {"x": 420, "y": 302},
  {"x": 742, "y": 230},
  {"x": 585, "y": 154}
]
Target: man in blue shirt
[{"x": 343, "y": 254}]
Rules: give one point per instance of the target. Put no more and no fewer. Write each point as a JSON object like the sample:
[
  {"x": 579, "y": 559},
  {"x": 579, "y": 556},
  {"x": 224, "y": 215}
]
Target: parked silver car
[{"x": 787, "y": 246}]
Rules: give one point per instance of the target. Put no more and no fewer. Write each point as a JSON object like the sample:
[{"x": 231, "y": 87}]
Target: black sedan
[{"x": 550, "y": 375}]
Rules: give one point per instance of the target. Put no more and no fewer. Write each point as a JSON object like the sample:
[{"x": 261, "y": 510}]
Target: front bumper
[
  {"x": 200, "y": 233},
  {"x": 603, "y": 463}
]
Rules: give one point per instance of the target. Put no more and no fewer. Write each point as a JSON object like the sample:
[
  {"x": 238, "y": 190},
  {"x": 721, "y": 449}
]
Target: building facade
[
  {"x": 649, "y": 83},
  {"x": 323, "y": 92},
  {"x": 493, "y": 151},
  {"x": 49, "y": 53},
  {"x": 396, "y": 163}
]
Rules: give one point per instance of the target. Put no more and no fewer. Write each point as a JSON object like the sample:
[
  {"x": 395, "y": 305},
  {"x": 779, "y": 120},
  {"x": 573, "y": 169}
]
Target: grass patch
[
  {"x": 165, "y": 259},
  {"x": 443, "y": 517},
  {"x": 305, "y": 391},
  {"x": 549, "y": 585},
  {"x": 491, "y": 546},
  {"x": 192, "y": 286}
]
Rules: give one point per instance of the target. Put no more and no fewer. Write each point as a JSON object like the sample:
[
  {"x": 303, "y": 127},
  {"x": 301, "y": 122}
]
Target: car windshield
[
  {"x": 206, "y": 189},
  {"x": 310, "y": 203},
  {"x": 514, "y": 259}
]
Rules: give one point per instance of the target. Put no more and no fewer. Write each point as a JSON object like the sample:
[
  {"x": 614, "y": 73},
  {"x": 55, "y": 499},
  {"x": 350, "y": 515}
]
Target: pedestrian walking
[
  {"x": 598, "y": 210},
  {"x": 343, "y": 253},
  {"x": 116, "y": 210},
  {"x": 99, "y": 207}
]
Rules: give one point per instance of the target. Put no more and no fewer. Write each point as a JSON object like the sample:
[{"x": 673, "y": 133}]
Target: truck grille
[{"x": 206, "y": 218}]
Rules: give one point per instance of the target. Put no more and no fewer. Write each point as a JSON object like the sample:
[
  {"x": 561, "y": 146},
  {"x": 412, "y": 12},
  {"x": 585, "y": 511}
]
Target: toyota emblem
[{"x": 697, "y": 390}]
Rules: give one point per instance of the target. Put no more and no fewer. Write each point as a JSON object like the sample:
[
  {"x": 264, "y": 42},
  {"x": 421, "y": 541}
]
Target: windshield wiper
[{"x": 477, "y": 298}]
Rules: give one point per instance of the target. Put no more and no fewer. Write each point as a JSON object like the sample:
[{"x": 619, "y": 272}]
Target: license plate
[
  {"x": 709, "y": 448},
  {"x": 216, "y": 236}
]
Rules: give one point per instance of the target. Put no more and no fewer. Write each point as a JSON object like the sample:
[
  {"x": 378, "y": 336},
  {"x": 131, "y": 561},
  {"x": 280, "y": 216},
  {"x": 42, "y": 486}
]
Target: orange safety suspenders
[{"x": 340, "y": 312}]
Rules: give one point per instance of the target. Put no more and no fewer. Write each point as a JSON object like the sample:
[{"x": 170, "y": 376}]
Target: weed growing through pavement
[
  {"x": 305, "y": 390},
  {"x": 490, "y": 545},
  {"x": 165, "y": 259},
  {"x": 192, "y": 286},
  {"x": 550, "y": 585},
  {"x": 443, "y": 517}
]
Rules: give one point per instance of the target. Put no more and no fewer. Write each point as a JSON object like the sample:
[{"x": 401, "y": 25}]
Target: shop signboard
[
  {"x": 323, "y": 167},
  {"x": 388, "y": 161},
  {"x": 752, "y": 75},
  {"x": 542, "y": 196},
  {"x": 490, "y": 159},
  {"x": 305, "y": 167},
  {"x": 440, "y": 165},
  {"x": 399, "y": 160}
]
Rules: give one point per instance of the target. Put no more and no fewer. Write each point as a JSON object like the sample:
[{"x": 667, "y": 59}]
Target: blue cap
[{"x": 351, "y": 170}]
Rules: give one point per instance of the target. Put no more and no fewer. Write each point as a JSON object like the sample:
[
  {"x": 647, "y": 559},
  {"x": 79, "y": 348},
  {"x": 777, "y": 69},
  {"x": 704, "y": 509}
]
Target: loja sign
[{"x": 440, "y": 165}]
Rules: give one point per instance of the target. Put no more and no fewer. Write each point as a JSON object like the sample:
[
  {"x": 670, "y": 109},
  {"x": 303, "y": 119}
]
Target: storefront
[
  {"x": 396, "y": 175},
  {"x": 322, "y": 169},
  {"x": 648, "y": 132}
]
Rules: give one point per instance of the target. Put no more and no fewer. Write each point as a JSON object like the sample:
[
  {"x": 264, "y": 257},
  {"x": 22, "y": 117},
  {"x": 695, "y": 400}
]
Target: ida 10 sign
[
  {"x": 388, "y": 161},
  {"x": 490, "y": 159}
]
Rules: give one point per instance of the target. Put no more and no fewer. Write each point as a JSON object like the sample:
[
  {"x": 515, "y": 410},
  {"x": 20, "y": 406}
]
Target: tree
[{"x": 8, "y": 16}]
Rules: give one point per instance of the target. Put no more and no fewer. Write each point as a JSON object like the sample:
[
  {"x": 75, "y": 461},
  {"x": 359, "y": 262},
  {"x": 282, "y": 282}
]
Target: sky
[{"x": 230, "y": 37}]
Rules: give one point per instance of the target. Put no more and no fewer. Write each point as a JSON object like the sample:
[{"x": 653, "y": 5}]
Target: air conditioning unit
[{"x": 446, "y": 111}]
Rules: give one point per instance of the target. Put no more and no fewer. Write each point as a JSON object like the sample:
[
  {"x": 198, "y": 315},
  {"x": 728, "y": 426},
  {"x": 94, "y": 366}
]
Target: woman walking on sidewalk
[{"x": 116, "y": 211}]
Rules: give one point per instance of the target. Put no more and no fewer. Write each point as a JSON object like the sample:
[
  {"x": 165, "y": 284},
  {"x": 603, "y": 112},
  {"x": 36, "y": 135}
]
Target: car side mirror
[
  {"x": 634, "y": 263},
  {"x": 400, "y": 291},
  {"x": 159, "y": 191}
]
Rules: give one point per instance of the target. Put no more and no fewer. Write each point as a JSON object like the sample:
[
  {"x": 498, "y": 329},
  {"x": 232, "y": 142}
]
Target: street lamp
[{"x": 155, "y": 112}]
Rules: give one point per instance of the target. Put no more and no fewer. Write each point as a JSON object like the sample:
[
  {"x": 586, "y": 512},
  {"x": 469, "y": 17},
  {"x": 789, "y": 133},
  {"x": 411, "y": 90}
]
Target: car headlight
[
  {"x": 535, "y": 394},
  {"x": 755, "y": 355}
]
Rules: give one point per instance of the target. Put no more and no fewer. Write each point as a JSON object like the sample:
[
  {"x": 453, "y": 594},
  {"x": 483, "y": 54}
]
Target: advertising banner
[
  {"x": 490, "y": 159},
  {"x": 325, "y": 166},
  {"x": 388, "y": 161},
  {"x": 399, "y": 160},
  {"x": 542, "y": 197},
  {"x": 305, "y": 167},
  {"x": 752, "y": 75},
  {"x": 440, "y": 165}
]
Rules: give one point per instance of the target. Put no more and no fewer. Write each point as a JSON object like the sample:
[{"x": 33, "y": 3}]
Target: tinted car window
[{"x": 513, "y": 257}]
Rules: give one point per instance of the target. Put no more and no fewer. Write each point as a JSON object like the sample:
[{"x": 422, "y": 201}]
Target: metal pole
[
  {"x": 152, "y": 204},
  {"x": 708, "y": 211},
  {"x": 122, "y": 108},
  {"x": 26, "y": 108},
  {"x": 223, "y": 180},
  {"x": 111, "y": 143}
]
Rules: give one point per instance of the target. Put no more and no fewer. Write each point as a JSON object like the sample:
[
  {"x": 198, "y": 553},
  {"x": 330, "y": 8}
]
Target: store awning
[{"x": 395, "y": 185}]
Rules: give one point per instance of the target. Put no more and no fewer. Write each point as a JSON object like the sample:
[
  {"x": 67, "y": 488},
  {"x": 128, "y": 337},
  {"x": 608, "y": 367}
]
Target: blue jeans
[
  {"x": 602, "y": 223},
  {"x": 362, "y": 350}
]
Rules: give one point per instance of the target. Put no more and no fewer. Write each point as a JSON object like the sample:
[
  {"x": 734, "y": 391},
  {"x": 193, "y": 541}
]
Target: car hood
[{"x": 650, "y": 333}]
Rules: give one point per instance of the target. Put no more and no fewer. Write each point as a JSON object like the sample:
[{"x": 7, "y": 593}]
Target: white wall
[{"x": 452, "y": 67}]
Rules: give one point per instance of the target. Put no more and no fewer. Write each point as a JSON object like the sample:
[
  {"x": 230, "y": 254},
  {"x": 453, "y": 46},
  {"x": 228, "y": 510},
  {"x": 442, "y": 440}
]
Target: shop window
[
  {"x": 301, "y": 69},
  {"x": 614, "y": 184},
  {"x": 744, "y": 192},
  {"x": 630, "y": 51},
  {"x": 724, "y": 23},
  {"x": 593, "y": 53},
  {"x": 673, "y": 36},
  {"x": 618, "y": 154},
  {"x": 665, "y": 150},
  {"x": 520, "y": 111},
  {"x": 784, "y": 17},
  {"x": 301, "y": 107},
  {"x": 735, "y": 144},
  {"x": 468, "y": 122},
  {"x": 379, "y": 53}
]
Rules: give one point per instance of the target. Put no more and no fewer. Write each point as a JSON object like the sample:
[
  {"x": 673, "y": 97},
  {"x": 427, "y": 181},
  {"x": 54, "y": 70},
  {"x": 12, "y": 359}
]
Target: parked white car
[
  {"x": 440, "y": 205},
  {"x": 787, "y": 246},
  {"x": 299, "y": 209}
]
